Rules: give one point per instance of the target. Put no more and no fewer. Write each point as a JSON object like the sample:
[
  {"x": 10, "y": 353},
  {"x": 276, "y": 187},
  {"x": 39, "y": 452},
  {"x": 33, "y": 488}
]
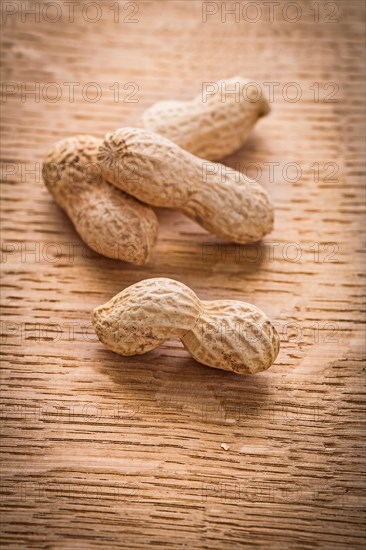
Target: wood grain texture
[{"x": 100, "y": 451}]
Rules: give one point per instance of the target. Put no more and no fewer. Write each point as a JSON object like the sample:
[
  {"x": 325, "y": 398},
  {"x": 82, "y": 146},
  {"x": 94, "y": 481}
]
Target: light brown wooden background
[{"x": 105, "y": 452}]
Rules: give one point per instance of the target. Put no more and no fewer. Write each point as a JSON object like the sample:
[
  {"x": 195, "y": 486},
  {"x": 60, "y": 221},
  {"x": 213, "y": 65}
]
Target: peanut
[
  {"x": 224, "y": 334},
  {"x": 157, "y": 171},
  {"x": 214, "y": 128},
  {"x": 108, "y": 220}
]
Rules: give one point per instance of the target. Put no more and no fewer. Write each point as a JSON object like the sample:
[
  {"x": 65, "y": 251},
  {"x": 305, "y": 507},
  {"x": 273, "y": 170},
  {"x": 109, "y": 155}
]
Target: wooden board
[{"x": 99, "y": 451}]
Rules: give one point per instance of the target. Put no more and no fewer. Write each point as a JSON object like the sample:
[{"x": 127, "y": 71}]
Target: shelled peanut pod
[
  {"x": 109, "y": 221},
  {"x": 159, "y": 172},
  {"x": 224, "y": 334},
  {"x": 214, "y": 124}
]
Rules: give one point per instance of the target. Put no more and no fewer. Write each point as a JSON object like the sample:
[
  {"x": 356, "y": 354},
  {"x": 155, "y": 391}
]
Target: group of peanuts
[{"x": 107, "y": 188}]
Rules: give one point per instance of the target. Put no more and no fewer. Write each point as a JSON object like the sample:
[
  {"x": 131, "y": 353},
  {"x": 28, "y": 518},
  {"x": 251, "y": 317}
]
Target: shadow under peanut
[{"x": 167, "y": 384}]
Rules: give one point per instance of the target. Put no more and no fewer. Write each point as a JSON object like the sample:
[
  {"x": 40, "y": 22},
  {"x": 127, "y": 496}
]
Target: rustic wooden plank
[{"x": 104, "y": 451}]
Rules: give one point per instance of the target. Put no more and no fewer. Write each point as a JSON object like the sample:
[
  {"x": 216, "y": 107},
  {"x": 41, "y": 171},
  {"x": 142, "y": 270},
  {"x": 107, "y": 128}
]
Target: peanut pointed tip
[
  {"x": 97, "y": 321},
  {"x": 266, "y": 108},
  {"x": 95, "y": 316},
  {"x": 143, "y": 259}
]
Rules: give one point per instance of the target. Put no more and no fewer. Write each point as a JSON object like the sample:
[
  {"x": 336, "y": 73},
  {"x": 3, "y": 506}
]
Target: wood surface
[{"x": 100, "y": 451}]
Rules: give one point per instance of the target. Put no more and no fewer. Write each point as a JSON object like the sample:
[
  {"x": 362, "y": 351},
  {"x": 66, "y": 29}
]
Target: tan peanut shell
[
  {"x": 224, "y": 334},
  {"x": 214, "y": 128},
  {"x": 157, "y": 171},
  {"x": 108, "y": 220}
]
